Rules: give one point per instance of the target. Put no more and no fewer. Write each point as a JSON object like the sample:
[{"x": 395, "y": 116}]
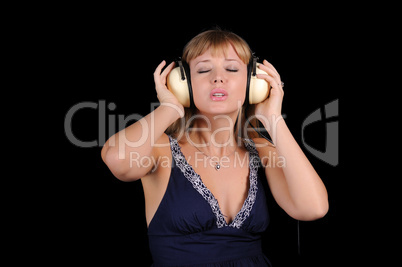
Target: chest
[{"x": 229, "y": 184}]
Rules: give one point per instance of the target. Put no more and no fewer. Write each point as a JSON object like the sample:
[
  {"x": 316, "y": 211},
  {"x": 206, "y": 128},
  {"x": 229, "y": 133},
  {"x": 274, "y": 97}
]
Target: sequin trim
[{"x": 198, "y": 185}]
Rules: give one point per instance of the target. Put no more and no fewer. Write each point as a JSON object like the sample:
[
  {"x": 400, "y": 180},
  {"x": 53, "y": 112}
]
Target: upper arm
[
  {"x": 135, "y": 166},
  {"x": 273, "y": 165}
]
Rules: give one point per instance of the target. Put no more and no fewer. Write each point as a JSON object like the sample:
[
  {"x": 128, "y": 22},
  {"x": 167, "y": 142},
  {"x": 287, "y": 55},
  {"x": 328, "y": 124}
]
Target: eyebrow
[
  {"x": 201, "y": 61},
  {"x": 208, "y": 60}
]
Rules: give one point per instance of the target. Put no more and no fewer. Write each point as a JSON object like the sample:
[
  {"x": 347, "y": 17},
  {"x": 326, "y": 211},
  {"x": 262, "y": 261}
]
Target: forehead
[{"x": 227, "y": 53}]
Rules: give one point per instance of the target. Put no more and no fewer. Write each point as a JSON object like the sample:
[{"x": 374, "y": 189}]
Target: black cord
[
  {"x": 260, "y": 133},
  {"x": 298, "y": 238}
]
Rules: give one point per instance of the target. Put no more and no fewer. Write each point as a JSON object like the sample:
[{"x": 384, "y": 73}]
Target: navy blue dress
[{"x": 189, "y": 229}]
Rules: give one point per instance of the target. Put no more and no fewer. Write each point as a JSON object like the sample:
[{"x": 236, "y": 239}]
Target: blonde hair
[{"x": 217, "y": 40}]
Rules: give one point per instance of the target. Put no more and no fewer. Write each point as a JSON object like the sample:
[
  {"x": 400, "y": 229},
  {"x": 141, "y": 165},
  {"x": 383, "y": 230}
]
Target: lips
[{"x": 218, "y": 94}]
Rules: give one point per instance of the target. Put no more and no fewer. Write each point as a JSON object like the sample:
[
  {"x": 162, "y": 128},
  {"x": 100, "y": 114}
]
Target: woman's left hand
[{"x": 272, "y": 106}]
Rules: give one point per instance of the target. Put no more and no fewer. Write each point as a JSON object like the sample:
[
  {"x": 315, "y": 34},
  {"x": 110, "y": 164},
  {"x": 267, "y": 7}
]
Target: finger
[
  {"x": 270, "y": 66},
  {"x": 270, "y": 72},
  {"x": 271, "y": 80},
  {"x": 270, "y": 77},
  {"x": 157, "y": 75},
  {"x": 167, "y": 70},
  {"x": 159, "y": 68},
  {"x": 269, "y": 69}
]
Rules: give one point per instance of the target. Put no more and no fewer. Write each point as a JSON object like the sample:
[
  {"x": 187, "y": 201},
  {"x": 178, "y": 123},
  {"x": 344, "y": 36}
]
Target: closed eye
[{"x": 203, "y": 71}]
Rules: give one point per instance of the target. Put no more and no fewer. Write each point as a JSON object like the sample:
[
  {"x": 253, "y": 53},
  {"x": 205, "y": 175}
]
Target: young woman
[{"x": 205, "y": 203}]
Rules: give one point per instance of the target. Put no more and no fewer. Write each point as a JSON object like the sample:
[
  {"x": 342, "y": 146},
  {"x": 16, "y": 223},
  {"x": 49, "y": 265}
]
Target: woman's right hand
[{"x": 165, "y": 96}]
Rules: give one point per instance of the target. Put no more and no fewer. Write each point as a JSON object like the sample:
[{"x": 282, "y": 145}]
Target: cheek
[
  {"x": 200, "y": 92},
  {"x": 240, "y": 86},
  {"x": 199, "y": 87}
]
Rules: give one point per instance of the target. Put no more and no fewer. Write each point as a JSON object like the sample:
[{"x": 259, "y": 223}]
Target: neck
[{"x": 214, "y": 134}]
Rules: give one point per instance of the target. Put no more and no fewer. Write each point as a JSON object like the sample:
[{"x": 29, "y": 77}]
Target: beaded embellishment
[{"x": 198, "y": 185}]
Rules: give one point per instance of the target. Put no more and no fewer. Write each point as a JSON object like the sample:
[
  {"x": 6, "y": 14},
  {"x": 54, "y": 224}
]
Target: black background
[{"x": 100, "y": 54}]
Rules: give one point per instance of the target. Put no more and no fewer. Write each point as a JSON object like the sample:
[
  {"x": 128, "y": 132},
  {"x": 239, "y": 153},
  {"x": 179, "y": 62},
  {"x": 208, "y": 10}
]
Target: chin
[
  {"x": 218, "y": 111},
  {"x": 219, "y": 107}
]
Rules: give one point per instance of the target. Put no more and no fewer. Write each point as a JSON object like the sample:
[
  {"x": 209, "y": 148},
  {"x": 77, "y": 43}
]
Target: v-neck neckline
[{"x": 202, "y": 189}]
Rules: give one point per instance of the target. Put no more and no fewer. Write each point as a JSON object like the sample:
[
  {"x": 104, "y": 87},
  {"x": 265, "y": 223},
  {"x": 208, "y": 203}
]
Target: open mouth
[{"x": 218, "y": 94}]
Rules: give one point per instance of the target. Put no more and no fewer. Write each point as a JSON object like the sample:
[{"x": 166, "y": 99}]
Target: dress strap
[
  {"x": 173, "y": 144},
  {"x": 250, "y": 145}
]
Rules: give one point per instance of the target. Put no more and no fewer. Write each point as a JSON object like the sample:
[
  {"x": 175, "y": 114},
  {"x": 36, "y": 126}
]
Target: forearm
[{"x": 138, "y": 139}]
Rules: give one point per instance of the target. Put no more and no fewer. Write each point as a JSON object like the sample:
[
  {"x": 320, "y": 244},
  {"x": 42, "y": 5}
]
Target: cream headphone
[{"x": 178, "y": 82}]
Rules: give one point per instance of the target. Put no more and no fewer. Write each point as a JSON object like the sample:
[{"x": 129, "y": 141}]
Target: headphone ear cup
[
  {"x": 258, "y": 88},
  {"x": 178, "y": 84}
]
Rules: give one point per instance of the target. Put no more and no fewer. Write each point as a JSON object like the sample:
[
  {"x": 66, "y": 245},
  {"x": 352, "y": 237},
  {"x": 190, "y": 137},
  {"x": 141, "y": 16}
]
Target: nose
[{"x": 218, "y": 77}]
